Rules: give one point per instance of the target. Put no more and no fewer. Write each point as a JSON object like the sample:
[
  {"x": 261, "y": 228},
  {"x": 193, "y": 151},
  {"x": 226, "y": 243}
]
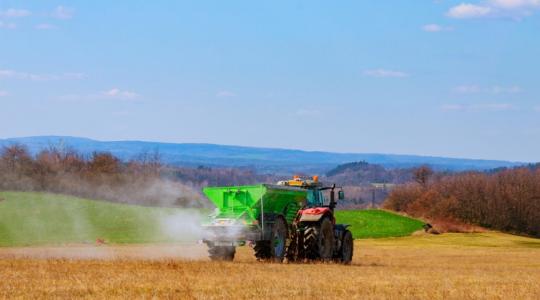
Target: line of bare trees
[
  {"x": 99, "y": 176},
  {"x": 507, "y": 200}
]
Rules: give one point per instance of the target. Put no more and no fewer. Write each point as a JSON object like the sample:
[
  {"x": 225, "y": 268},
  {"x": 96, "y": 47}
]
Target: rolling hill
[
  {"x": 377, "y": 223},
  {"x": 28, "y": 218},
  {"x": 281, "y": 161}
]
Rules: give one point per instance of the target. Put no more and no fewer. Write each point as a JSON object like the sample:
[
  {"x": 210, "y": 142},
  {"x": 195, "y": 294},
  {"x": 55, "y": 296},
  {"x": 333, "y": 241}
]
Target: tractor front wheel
[{"x": 347, "y": 248}]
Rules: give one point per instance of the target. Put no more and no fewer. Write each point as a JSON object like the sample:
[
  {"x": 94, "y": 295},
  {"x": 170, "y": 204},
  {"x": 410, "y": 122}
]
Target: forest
[{"x": 504, "y": 199}]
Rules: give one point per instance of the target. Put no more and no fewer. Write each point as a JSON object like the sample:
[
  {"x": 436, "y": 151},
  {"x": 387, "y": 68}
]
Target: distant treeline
[
  {"x": 507, "y": 199},
  {"x": 99, "y": 176}
]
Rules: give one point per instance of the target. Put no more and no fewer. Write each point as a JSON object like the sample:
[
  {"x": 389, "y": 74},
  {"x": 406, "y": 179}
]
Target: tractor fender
[{"x": 313, "y": 214}]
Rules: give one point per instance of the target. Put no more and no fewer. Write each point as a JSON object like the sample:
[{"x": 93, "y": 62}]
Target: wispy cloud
[
  {"x": 516, "y": 9},
  {"x": 45, "y": 26},
  {"x": 467, "y": 89},
  {"x": 116, "y": 93},
  {"x": 505, "y": 90},
  {"x": 62, "y": 12},
  {"x": 3, "y": 93},
  {"x": 7, "y": 25},
  {"x": 467, "y": 10},
  {"x": 11, "y": 74},
  {"x": 225, "y": 94},
  {"x": 436, "y": 28},
  {"x": 493, "y": 107},
  {"x": 15, "y": 13},
  {"x": 496, "y": 90},
  {"x": 384, "y": 73}
]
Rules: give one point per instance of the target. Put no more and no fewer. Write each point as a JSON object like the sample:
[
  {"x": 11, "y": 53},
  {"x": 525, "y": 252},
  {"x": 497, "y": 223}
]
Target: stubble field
[{"x": 450, "y": 266}]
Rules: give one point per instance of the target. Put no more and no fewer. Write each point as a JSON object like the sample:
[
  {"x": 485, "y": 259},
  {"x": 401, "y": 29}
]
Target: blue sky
[{"x": 445, "y": 78}]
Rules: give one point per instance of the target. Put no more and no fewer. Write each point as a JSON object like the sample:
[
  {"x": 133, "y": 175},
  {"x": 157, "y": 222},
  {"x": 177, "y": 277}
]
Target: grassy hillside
[
  {"x": 38, "y": 218},
  {"x": 377, "y": 223}
]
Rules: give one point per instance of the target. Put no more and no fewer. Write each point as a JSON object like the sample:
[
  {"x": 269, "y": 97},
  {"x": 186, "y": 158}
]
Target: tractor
[{"x": 292, "y": 220}]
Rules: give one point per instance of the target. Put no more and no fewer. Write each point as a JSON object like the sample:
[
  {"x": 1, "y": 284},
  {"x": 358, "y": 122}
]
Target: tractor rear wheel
[
  {"x": 223, "y": 253},
  {"x": 279, "y": 240},
  {"x": 319, "y": 240},
  {"x": 347, "y": 248},
  {"x": 326, "y": 239},
  {"x": 311, "y": 235}
]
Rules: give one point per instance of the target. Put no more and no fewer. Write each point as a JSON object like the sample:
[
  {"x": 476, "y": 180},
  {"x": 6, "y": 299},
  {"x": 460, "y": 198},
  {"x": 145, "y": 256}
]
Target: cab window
[{"x": 315, "y": 198}]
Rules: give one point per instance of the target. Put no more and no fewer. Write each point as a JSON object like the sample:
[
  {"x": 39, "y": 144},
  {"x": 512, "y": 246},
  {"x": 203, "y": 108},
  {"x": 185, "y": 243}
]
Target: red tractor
[{"x": 315, "y": 234}]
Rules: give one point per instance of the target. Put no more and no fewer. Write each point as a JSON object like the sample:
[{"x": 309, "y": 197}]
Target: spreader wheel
[
  {"x": 262, "y": 250},
  {"x": 222, "y": 253}
]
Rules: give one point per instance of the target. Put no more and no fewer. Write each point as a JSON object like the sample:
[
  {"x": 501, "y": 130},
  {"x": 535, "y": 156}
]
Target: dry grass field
[{"x": 450, "y": 266}]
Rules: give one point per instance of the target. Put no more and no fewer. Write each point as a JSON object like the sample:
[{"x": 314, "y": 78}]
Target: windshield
[{"x": 315, "y": 198}]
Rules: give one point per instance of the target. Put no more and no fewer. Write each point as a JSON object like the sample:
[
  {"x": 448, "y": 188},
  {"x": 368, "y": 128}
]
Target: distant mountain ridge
[{"x": 274, "y": 160}]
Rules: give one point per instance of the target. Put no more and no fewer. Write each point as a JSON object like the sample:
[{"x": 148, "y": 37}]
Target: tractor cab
[{"x": 318, "y": 195}]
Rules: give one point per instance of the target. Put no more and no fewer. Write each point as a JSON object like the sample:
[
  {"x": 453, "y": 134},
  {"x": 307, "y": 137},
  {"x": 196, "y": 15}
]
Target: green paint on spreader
[{"x": 244, "y": 203}]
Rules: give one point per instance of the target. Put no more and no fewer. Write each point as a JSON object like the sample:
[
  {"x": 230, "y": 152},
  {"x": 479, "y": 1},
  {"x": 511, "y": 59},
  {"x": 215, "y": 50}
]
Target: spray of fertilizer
[{"x": 177, "y": 231}]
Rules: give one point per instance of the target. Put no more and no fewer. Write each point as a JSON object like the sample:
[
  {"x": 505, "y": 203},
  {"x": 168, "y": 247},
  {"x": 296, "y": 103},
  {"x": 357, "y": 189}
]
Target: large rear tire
[
  {"x": 319, "y": 240},
  {"x": 311, "y": 236},
  {"x": 221, "y": 253},
  {"x": 326, "y": 239}
]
